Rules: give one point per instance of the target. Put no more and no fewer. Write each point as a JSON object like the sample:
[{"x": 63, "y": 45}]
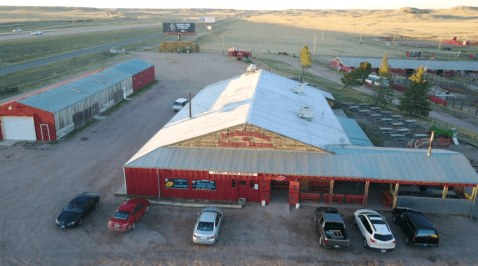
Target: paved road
[{"x": 48, "y": 60}]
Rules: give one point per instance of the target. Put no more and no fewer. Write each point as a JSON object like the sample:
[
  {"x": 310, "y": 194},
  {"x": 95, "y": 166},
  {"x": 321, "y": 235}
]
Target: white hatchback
[{"x": 375, "y": 231}]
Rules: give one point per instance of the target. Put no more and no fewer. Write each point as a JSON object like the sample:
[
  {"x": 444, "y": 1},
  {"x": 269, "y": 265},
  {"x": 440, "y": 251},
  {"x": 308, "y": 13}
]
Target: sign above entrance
[
  {"x": 280, "y": 178},
  {"x": 231, "y": 173}
]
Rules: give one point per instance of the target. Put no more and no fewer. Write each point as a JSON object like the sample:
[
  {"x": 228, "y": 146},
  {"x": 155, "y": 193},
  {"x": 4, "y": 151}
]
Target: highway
[{"x": 26, "y": 65}]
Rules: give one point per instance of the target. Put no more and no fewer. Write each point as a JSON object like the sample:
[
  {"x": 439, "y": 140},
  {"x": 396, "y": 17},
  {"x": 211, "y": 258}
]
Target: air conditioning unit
[
  {"x": 299, "y": 89},
  {"x": 251, "y": 68},
  {"x": 306, "y": 113}
]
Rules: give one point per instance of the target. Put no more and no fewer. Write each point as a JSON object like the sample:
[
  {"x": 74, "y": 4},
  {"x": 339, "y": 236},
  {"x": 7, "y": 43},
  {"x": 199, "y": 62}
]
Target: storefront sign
[
  {"x": 176, "y": 183},
  {"x": 231, "y": 173},
  {"x": 209, "y": 185},
  {"x": 247, "y": 140},
  {"x": 280, "y": 178}
]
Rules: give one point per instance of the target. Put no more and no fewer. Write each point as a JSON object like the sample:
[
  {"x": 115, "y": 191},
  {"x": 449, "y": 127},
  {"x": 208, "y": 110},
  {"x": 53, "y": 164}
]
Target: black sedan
[{"x": 78, "y": 208}]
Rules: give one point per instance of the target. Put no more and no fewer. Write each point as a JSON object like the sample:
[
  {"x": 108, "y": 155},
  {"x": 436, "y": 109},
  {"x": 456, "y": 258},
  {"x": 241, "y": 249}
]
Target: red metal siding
[
  {"x": 1, "y": 134},
  {"x": 39, "y": 117},
  {"x": 143, "y": 78},
  {"x": 140, "y": 181}
]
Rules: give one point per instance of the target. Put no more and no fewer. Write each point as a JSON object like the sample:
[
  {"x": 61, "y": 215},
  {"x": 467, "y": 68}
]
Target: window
[
  {"x": 234, "y": 183},
  {"x": 252, "y": 184},
  {"x": 321, "y": 221},
  {"x": 218, "y": 218},
  {"x": 242, "y": 183},
  {"x": 366, "y": 224},
  {"x": 137, "y": 208}
]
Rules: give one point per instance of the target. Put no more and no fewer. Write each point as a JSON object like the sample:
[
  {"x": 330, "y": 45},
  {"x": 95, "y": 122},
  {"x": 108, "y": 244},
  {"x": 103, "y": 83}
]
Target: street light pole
[{"x": 222, "y": 45}]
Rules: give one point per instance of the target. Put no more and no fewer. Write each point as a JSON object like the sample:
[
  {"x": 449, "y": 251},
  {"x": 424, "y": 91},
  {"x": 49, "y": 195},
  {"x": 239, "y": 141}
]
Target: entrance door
[
  {"x": 294, "y": 189},
  {"x": 247, "y": 190},
  {"x": 45, "y": 132},
  {"x": 19, "y": 128}
]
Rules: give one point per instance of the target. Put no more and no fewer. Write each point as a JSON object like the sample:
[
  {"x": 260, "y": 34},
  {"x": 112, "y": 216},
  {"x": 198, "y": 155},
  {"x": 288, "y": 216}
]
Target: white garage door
[{"x": 19, "y": 128}]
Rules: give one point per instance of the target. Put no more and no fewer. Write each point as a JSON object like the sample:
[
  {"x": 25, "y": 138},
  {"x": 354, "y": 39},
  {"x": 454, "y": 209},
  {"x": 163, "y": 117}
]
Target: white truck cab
[{"x": 179, "y": 104}]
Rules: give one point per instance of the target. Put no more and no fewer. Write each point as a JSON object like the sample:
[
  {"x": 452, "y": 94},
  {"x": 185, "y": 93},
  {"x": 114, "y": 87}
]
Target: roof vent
[
  {"x": 299, "y": 89},
  {"x": 251, "y": 69},
  {"x": 306, "y": 113},
  {"x": 75, "y": 90}
]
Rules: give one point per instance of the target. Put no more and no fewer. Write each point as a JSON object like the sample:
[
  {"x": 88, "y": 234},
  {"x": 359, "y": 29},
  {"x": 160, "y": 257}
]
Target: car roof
[
  {"x": 127, "y": 207},
  {"x": 80, "y": 199},
  {"x": 420, "y": 221},
  {"x": 208, "y": 217},
  {"x": 181, "y": 100},
  {"x": 333, "y": 217}
]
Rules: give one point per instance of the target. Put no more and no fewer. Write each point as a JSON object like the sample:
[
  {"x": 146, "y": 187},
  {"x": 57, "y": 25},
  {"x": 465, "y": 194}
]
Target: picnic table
[
  {"x": 386, "y": 130},
  {"x": 397, "y": 117},
  {"x": 353, "y": 107},
  {"x": 374, "y": 108},
  {"x": 386, "y": 113},
  {"x": 375, "y": 116},
  {"x": 363, "y": 105},
  {"x": 411, "y": 123},
  {"x": 386, "y": 120},
  {"x": 419, "y": 136},
  {"x": 397, "y": 137},
  {"x": 364, "y": 111},
  {"x": 403, "y": 131},
  {"x": 398, "y": 124}
]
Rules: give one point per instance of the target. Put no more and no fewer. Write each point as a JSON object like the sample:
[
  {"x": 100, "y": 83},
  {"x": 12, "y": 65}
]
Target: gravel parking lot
[{"x": 39, "y": 179}]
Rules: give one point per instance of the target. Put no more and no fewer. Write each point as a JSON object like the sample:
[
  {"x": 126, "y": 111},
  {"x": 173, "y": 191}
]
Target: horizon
[{"x": 253, "y": 5}]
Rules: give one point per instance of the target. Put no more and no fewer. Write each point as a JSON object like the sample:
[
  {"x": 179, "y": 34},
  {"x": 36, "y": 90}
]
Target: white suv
[
  {"x": 36, "y": 32},
  {"x": 375, "y": 231},
  {"x": 179, "y": 104}
]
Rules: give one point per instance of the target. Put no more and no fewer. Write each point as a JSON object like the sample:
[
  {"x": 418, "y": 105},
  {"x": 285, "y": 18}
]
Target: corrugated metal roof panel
[
  {"x": 65, "y": 95},
  {"x": 262, "y": 99},
  {"x": 133, "y": 66},
  {"x": 411, "y": 64},
  {"x": 354, "y": 131},
  {"x": 350, "y": 162}
]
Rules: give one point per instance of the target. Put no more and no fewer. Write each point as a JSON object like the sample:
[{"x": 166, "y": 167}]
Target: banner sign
[
  {"x": 179, "y": 28},
  {"x": 176, "y": 183},
  {"x": 207, "y": 20},
  {"x": 244, "y": 139},
  {"x": 231, "y": 173},
  {"x": 209, "y": 185}
]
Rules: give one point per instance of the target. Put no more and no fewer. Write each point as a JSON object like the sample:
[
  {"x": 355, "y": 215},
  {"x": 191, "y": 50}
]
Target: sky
[{"x": 255, "y": 5}]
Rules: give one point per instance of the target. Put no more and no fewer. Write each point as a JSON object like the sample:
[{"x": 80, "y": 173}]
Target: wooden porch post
[
  {"x": 395, "y": 194},
  {"x": 331, "y": 192},
  {"x": 367, "y": 184},
  {"x": 473, "y": 197},
  {"x": 445, "y": 192}
]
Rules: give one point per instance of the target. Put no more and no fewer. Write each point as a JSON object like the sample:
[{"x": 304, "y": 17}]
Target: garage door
[{"x": 19, "y": 128}]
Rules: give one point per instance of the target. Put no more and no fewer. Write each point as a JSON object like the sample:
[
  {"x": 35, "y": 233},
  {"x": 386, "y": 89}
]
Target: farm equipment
[{"x": 455, "y": 42}]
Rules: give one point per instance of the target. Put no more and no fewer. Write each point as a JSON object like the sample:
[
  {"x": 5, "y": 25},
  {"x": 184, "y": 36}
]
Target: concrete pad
[
  {"x": 121, "y": 190},
  {"x": 100, "y": 117},
  {"x": 9, "y": 142}
]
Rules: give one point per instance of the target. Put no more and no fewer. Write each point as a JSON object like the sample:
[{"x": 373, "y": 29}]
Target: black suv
[{"x": 417, "y": 228}]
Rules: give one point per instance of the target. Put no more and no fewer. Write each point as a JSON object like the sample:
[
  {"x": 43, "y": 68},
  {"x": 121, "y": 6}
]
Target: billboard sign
[
  {"x": 179, "y": 28},
  {"x": 176, "y": 183},
  {"x": 207, "y": 20},
  {"x": 209, "y": 185}
]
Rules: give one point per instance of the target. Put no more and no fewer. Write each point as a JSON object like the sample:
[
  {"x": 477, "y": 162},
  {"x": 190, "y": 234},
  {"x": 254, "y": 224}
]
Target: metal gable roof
[
  {"x": 411, "y": 64},
  {"x": 61, "y": 97},
  {"x": 354, "y": 131},
  {"x": 261, "y": 99},
  {"x": 133, "y": 66},
  {"x": 371, "y": 163}
]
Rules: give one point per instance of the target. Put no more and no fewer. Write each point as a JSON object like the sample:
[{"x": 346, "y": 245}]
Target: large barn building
[
  {"x": 260, "y": 131},
  {"x": 405, "y": 66},
  {"x": 51, "y": 114}
]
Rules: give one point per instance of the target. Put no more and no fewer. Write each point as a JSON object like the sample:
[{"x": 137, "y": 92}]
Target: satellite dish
[{"x": 342, "y": 141}]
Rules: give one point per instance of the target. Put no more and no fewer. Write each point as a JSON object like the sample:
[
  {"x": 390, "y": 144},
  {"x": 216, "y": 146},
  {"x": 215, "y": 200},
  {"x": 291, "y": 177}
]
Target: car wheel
[
  {"x": 133, "y": 226},
  {"x": 80, "y": 222},
  {"x": 365, "y": 245},
  {"x": 407, "y": 241},
  {"x": 394, "y": 219},
  {"x": 147, "y": 208},
  {"x": 355, "y": 222}
]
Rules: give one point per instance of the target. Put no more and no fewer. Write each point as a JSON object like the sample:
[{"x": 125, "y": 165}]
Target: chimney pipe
[
  {"x": 431, "y": 142},
  {"x": 190, "y": 105}
]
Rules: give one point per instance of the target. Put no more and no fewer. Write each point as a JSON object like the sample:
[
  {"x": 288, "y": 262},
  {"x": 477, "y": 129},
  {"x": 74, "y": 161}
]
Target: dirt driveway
[{"x": 39, "y": 179}]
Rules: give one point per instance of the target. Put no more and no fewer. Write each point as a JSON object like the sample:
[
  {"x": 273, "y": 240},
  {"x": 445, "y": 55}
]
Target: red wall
[
  {"x": 39, "y": 117},
  {"x": 143, "y": 78}
]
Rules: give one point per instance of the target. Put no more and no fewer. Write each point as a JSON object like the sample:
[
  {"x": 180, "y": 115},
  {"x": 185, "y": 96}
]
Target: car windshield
[
  {"x": 120, "y": 215},
  {"x": 74, "y": 208},
  {"x": 427, "y": 233},
  {"x": 383, "y": 237},
  {"x": 205, "y": 226},
  {"x": 177, "y": 104}
]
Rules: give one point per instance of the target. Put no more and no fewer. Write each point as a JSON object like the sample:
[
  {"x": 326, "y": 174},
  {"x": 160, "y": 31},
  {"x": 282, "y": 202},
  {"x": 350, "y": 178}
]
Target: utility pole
[
  {"x": 313, "y": 53},
  {"x": 223, "y": 45}
]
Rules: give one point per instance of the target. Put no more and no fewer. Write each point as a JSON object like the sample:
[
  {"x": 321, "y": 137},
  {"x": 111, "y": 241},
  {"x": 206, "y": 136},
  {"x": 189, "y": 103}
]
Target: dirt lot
[{"x": 39, "y": 179}]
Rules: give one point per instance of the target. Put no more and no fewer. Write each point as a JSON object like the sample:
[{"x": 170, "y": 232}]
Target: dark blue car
[{"x": 78, "y": 208}]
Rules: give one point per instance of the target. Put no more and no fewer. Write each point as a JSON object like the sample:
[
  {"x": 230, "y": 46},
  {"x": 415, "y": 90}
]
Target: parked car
[
  {"x": 17, "y": 30},
  {"x": 417, "y": 228},
  {"x": 36, "y": 32},
  {"x": 208, "y": 224},
  {"x": 330, "y": 228},
  {"x": 179, "y": 104},
  {"x": 375, "y": 231},
  {"x": 78, "y": 208},
  {"x": 128, "y": 214}
]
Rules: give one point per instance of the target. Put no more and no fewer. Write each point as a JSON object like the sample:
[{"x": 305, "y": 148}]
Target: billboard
[
  {"x": 207, "y": 20},
  {"x": 179, "y": 28}
]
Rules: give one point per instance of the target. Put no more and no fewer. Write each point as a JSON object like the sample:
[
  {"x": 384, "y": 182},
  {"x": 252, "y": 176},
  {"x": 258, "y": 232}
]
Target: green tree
[
  {"x": 349, "y": 79},
  {"x": 414, "y": 101},
  {"x": 305, "y": 59},
  {"x": 362, "y": 72},
  {"x": 384, "y": 94}
]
